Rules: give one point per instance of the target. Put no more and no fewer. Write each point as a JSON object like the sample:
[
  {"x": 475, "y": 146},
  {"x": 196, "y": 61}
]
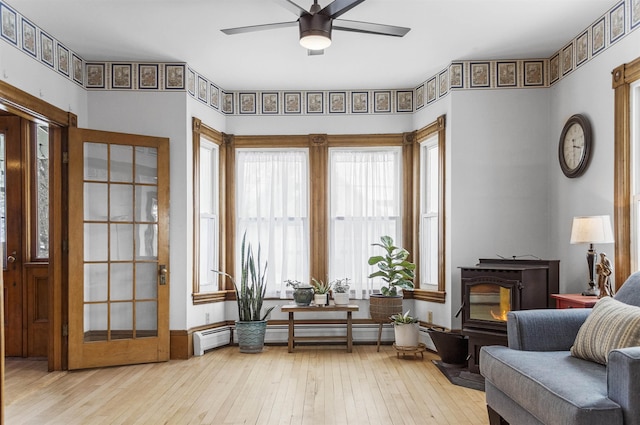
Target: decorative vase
[
  {"x": 406, "y": 334},
  {"x": 341, "y": 298},
  {"x": 303, "y": 295},
  {"x": 251, "y": 335},
  {"x": 382, "y": 307},
  {"x": 321, "y": 299}
]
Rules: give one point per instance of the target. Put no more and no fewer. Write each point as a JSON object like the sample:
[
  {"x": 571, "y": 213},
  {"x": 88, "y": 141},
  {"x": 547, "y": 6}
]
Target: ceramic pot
[
  {"x": 406, "y": 334},
  {"x": 303, "y": 295},
  {"x": 321, "y": 299},
  {"x": 251, "y": 335},
  {"x": 341, "y": 298}
]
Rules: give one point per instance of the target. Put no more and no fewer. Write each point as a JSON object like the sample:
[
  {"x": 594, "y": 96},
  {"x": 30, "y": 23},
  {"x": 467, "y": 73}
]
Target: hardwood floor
[{"x": 314, "y": 385}]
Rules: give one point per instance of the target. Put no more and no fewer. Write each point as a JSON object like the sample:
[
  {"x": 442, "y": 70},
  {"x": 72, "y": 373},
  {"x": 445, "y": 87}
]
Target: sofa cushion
[
  {"x": 553, "y": 386},
  {"x": 612, "y": 324}
]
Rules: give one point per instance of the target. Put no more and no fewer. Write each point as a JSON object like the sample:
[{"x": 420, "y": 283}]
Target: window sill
[
  {"x": 432, "y": 296},
  {"x": 209, "y": 297}
]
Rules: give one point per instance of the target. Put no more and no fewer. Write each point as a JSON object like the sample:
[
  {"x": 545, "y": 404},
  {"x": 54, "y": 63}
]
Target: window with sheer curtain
[
  {"x": 272, "y": 203},
  {"x": 365, "y": 199}
]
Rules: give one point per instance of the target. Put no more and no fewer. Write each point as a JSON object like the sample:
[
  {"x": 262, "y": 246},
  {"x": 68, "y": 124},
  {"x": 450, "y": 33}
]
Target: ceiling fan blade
[
  {"x": 369, "y": 28},
  {"x": 292, "y": 7},
  {"x": 338, "y": 7},
  {"x": 252, "y": 28},
  {"x": 315, "y": 52}
]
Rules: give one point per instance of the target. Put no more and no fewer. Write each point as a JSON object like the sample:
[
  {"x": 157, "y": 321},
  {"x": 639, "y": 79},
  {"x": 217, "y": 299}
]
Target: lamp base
[{"x": 591, "y": 292}]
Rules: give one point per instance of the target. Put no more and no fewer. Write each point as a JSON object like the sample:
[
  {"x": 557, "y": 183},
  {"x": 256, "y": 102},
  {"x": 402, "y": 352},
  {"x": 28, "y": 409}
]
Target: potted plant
[
  {"x": 406, "y": 329},
  {"x": 320, "y": 291},
  {"x": 397, "y": 273},
  {"x": 340, "y": 291},
  {"x": 302, "y": 292},
  {"x": 251, "y": 325}
]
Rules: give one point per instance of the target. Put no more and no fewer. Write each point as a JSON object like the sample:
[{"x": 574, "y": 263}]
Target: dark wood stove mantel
[{"x": 494, "y": 287}]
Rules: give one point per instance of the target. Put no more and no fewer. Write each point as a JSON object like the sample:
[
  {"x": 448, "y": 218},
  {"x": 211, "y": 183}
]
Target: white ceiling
[{"x": 189, "y": 31}]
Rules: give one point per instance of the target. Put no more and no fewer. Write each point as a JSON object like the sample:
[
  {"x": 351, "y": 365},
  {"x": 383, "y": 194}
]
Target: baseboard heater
[{"x": 209, "y": 339}]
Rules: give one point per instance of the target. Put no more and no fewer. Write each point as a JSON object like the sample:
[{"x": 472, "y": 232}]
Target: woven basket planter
[{"x": 381, "y": 307}]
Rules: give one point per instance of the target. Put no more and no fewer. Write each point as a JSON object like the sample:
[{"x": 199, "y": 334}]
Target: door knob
[
  {"x": 162, "y": 271},
  {"x": 12, "y": 258}
]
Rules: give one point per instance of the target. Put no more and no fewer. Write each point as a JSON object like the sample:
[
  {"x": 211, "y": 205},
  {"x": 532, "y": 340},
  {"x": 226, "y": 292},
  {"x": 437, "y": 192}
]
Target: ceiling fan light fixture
[{"x": 315, "y": 31}]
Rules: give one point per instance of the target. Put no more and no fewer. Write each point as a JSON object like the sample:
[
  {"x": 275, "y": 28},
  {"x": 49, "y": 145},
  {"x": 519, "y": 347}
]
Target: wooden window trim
[
  {"x": 437, "y": 127},
  {"x": 201, "y": 130},
  {"x": 622, "y": 78}
]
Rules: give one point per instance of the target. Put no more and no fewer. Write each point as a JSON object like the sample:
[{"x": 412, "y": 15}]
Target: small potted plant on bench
[
  {"x": 320, "y": 292},
  {"x": 340, "y": 291}
]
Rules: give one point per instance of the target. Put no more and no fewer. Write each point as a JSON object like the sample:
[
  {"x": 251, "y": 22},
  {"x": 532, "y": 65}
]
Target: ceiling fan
[{"x": 316, "y": 24}]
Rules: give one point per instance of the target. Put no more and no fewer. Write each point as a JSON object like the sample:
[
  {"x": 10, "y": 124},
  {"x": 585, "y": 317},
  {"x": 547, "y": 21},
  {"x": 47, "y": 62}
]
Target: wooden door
[
  {"x": 11, "y": 191},
  {"x": 118, "y": 249}
]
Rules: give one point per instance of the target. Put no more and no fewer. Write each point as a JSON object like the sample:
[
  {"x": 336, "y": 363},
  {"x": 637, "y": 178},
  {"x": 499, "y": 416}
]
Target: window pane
[
  {"x": 42, "y": 191},
  {"x": 209, "y": 222},
  {"x": 365, "y": 204},
  {"x": 272, "y": 207},
  {"x": 429, "y": 205}
]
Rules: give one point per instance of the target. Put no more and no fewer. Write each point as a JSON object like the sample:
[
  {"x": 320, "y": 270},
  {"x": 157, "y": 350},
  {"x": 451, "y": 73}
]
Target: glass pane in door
[{"x": 121, "y": 242}]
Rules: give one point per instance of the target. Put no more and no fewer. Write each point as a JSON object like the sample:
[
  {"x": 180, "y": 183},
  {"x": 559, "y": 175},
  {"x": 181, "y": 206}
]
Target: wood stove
[{"x": 492, "y": 288}]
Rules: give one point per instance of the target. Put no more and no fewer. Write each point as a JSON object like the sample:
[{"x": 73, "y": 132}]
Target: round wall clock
[{"x": 574, "y": 150}]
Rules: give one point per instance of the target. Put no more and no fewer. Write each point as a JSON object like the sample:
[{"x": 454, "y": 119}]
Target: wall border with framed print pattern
[
  {"x": 227, "y": 102},
  {"x": 582, "y": 48},
  {"x": 617, "y": 22},
  {"x": 95, "y": 75},
  {"x": 506, "y": 74},
  {"x": 121, "y": 76},
  {"x": 9, "y": 24},
  {"x": 533, "y": 73},
  {"x": 420, "y": 97},
  {"x": 634, "y": 11},
  {"x": 174, "y": 76},
  {"x": 247, "y": 103},
  {"x": 382, "y": 101},
  {"x": 203, "y": 85},
  {"x": 315, "y": 104},
  {"x": 148, "y": 76},
  {"x": 47, "y": 49},
  {"x": 292, "y": 102},
  {"x": 337, "y": 102},
  {"x": 63, "y": 60},
  {"x": 480, "y": 75},
  {"x": 29, "y": 37},
  {"x": 431, "y": 90},
  {"x": 269, "y": 103},
  {"x": 359, "y": 102},
  {"x": 214, "y": 96}
]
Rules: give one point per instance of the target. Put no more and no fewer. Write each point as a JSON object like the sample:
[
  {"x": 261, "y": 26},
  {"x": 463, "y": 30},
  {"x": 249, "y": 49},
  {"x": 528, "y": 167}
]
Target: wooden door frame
[{"x": 21, "y": 103}]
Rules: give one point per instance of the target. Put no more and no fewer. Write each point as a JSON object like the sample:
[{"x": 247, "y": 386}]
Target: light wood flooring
[{"x": 314, "y": 385}]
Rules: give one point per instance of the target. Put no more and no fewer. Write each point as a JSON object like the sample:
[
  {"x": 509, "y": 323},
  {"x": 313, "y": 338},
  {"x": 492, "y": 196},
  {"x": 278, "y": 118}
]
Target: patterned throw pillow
[{"x": 612, "y": 324}]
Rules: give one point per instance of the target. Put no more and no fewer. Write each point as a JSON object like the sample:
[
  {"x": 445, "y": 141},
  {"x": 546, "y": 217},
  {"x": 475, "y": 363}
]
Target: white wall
[{"x": 588, "y": 91}]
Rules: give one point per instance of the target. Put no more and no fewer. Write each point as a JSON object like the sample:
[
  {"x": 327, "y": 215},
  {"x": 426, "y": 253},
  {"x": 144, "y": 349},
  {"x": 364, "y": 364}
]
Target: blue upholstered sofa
[{"x": 536, "y": 380}]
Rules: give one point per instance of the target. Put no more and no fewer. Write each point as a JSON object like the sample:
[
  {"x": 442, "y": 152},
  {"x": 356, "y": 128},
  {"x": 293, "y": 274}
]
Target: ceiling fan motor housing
[{"x": 316, "y": 24}]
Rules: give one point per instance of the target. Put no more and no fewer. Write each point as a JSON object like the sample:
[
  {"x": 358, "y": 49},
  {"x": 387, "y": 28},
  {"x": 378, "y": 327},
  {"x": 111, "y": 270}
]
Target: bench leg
[
  {"x": 379, "y": 336},
  {"x": 291, "y": 332}
]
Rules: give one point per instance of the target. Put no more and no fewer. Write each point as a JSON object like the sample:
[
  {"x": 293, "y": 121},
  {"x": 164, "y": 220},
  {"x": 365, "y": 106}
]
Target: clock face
[
  {"x": 574, "y": 149},
  {"x": 574, "y": 146}
]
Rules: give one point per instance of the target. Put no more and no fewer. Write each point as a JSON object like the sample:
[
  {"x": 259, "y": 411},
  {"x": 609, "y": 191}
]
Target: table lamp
[{"x": 591, "y": 230}]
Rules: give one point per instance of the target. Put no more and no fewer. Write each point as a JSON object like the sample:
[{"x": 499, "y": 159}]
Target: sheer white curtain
[
  {"x": 365, "y": 203},
  {"x": 272, "y": 207}
]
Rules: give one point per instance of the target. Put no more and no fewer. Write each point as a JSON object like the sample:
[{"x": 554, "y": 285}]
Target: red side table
[{"x": 574, "y": 301}]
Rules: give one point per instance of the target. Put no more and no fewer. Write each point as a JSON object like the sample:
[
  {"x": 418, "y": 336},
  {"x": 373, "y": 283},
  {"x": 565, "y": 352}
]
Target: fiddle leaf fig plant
[{"x": 393, "y": 267}]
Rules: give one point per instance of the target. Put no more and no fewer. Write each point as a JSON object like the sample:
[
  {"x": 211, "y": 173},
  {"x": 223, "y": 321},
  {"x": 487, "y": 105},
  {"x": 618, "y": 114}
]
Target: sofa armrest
[
  {"x": 623, "y": 382},
  {"x": 544, "y": 330}
]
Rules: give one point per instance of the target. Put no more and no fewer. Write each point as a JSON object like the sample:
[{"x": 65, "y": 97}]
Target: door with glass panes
[{"x": 118, "y": 249}]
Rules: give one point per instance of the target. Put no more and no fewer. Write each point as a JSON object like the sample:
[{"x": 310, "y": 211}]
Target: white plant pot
[
  {"x": 341, "y": 298},
  {"x": 321, "y": 299},
  {"x": 406, "y": 334}
]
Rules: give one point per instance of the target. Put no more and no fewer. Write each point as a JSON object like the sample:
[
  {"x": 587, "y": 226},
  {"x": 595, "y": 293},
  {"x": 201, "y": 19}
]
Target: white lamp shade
[{"x": 591, "y": 229}]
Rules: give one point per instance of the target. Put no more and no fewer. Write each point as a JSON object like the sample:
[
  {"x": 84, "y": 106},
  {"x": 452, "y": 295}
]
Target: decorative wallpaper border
[{"x": 619, "y": 21}]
